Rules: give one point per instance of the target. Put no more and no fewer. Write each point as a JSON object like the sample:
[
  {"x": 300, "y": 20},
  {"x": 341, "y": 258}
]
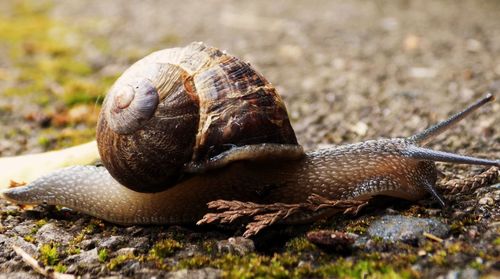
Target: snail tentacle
[{"x": 428, "y": 134}]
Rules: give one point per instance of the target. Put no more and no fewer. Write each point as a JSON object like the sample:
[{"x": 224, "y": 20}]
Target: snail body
[
  {"x": 215, "y": 129},
  {"x": 354, "y": 170}
]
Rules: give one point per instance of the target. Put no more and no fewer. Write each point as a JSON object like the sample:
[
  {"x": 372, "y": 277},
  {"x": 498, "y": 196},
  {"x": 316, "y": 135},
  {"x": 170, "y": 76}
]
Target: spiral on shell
[{"x": 185, "y": 105}]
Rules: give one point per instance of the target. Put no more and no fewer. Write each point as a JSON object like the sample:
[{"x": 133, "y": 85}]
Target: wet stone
[
  {"x": 4, "y": 243},
  {"x": 112, "y": 242},
  {"x": 126, "y": 251},
  {"x": 52, "y": 233},
  {"x": 85, "y": 258},
  {"x": 24, "y": 228},
  {"x": 407, "y": 229},
  {"x": 467, "y": 273},
  {"x": 29, "y": 248},
  {"x": 87, "y": 244},
  {"x": 140, "y": 243}
]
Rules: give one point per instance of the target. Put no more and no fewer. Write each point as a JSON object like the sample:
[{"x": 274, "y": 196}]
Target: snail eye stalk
[
  {"x": 428, "y": 134},
  {"x": 432, "y": 190},
  {"x": 422, "y": 138},
  {"x": 421, "y": 153}
]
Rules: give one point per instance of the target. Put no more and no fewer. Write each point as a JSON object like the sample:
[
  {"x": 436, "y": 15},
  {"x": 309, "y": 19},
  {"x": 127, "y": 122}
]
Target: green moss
[
  {"x": 460, "y": 226},
  {"x": 78, "y": 91},
  {"x": 357, "y": 226},
  {"x": 298, "y": 265},
  {"x": 71, "y": 137},
  {"x": 306, "y": 270},
  {"x": 73, "y": 250},
  {"x": 165, "y": 248},
  {"x": 361, "y": 269},
  {"x": 89, "y": 229},
  {"x": 496, "y": 241},
  {"x": 209, "y": 246},
  {"x": 40, "y": 223},
  {"x": 439, "y": 257},
  {"x": 462, "y": 248},
  {"x": 377, "y": 240},
  {"x": 115, "y": 262},
  {"x": 78, "y": 238},
  {"x": 48, "y": 64},
  {"x": 60, "y": 268},
  {"x": 102, "y": 255},
  {"x": 406, "y": 259},
  {"x": 118, "y": 261},
  {"x": 299, "y": 244},
  {"x": 428, "y": 247},
  {"x": 49, "y": 254},
  {"x": 250, "y": 266},
  {"x": 286, "y": 259},
  {"x": 94, "y": 226},
  {"x": 195, "y": 262},
  {"x": 373, "y": 256},
  {"x": 44, "y": 50},
  {"x": 44, "y": 141},
  {"x": 287, "y": 266},
  {"x": 476, "y": 265},
  {"x": 5, "y": 213},
  {"x": 29, "y": 238}
]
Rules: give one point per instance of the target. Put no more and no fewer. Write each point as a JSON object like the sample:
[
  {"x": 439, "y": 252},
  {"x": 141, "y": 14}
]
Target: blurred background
[{"x": 347, "y": 70}]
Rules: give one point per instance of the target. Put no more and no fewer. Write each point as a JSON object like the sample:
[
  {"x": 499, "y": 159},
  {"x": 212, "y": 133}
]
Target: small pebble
[
  {"x": 126, "y": 251},
  {"x": 87, "y": 244},
  {"x": 52, "y": 233},
  {"x": 112, "y": 242},
  {"x": 404, "y": 228},
  {"x": 332, "y": 239},
  {"x": 421, "y": 72},
  {"x": 89, "y": 257},
  {"x": 24, "y": 228},
  {"x": 473, "y": 45},
  {"x": 411, "y": 42},
  {"x": 238, "y": 245},
  {"x": 486, "y": 201}
]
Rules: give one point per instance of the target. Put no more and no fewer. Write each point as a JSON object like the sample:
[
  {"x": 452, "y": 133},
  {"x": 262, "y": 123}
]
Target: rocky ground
[{"x": 348, "y": 71}]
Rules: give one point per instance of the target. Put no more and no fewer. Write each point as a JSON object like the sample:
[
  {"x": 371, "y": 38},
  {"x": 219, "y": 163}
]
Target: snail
[{"x": 184, "y": 127}]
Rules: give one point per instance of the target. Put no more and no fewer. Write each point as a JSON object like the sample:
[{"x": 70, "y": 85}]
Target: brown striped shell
[{"x": 184, "y": 107}]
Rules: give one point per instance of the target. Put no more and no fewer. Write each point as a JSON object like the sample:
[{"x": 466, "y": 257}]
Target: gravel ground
[{"x": 347, "y": 70}]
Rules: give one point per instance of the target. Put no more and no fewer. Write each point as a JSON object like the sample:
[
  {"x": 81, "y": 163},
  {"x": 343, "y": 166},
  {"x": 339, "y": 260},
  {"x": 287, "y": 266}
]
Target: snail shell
[{"x": 183, "y": 107}]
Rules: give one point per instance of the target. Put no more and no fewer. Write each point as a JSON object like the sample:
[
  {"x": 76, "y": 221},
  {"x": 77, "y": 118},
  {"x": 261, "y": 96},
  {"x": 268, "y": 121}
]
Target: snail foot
[{"x": 264, "y": 215}]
